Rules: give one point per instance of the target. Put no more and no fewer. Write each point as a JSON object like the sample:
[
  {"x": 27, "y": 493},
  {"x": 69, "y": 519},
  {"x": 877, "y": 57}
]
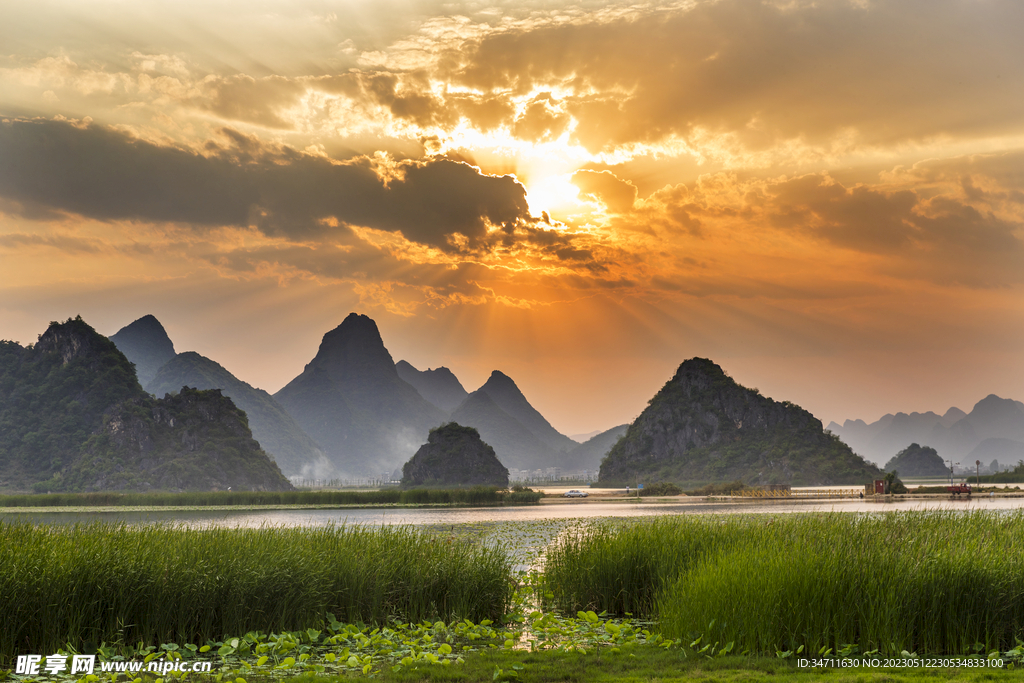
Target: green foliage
[
  {"x": 64, "y": 586},
  {"x": 661, "y": 488},
  {"x": 726, "y": 489},
  {"x": 275, "y": 430},
  {"x": 454, "y": 455},
  {"x": 53, "y": 396},
  {"x": 620, "y": 567},
  {"x": 468, "y": 496},
  {"x": 893, "y": 483},
  {"x": 935, "y": 583}
]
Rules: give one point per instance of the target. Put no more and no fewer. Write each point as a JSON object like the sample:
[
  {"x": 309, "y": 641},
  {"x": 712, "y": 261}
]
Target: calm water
[{"x": 250, "y": 518}]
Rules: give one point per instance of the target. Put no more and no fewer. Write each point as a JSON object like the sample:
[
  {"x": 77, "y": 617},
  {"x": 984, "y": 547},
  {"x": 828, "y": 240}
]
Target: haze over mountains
[
  {"x": 993, "y": 430},
  {"x": 278, "y": 433},
  {"x": 353, "y": 412}
]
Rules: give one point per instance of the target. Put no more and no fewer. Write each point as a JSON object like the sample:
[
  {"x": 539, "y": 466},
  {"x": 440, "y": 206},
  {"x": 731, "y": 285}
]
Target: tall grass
[
  {"x": 466, "y": 496},
  {"x": 620, "y": 567},
  {"x": 926, "y": 582},
  {"x": 935, "y": 583},
  {"x": 99, "y": 582}
]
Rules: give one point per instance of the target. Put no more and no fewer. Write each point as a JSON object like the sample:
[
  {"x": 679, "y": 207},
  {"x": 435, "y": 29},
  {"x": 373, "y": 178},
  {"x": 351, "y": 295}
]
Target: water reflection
[{"x": 375, "y": 516}]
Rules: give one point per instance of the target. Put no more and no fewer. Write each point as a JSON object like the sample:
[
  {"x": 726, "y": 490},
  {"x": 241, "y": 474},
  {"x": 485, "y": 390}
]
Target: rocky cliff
[{"x": 703, "y": 427}]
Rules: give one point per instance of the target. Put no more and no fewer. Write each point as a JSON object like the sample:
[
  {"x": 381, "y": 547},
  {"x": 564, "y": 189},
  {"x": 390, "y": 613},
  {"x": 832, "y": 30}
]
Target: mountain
[
  {"x": 350, "y": 399},
  {"x": 954, "y": 434},
  {"x": 146, "y": 344},
  {"x": 516, "y": 446},
  {"x": 441, "y": 387},
  {"x": 454, "y": 456},
  {"x": 277, "y": 432},
  {"x": 190, "y": 441},
  {"x": 703, "y": 427},
  {"x": 74, "y": 418},
  {"x": 589, "y": 454},
  {"x": 507, "y": 396},
  {"x": 917, "y": 461}
]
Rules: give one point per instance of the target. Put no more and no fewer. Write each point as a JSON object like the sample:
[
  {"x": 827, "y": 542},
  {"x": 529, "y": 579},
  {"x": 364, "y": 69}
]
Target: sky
[{"x": 824, "y": 197}]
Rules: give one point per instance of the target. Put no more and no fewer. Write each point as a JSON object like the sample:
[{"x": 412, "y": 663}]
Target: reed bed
[
  {"x": 924, "y": 582},
  {"x": 95, "y": 583},
  {"x": 621, "y": 567},
  {"x": 465, "y": 496}
]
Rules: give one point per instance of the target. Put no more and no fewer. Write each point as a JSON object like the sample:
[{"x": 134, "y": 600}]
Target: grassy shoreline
[
  {"x": 117, "y": 583},
  {"x": 770, "y": 587},
  {"x": 475, "y": 496}
]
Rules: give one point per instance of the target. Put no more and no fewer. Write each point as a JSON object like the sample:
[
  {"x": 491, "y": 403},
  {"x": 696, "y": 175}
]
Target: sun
[{"x": 553, "y": 193}]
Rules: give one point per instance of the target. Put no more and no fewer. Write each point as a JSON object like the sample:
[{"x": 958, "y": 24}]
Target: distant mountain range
[
  {"x": 993, "y": 430},
  {"x": 353, "y": 412},
  {"x": 703, "y": 427},
  {"x": 74, "y": 418}
]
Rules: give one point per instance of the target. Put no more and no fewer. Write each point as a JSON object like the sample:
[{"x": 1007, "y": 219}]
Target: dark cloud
[
  {"x": 941, "y": 238},
  {"x": 861, "y": 218},
  {"x": 99, "y": 173}
]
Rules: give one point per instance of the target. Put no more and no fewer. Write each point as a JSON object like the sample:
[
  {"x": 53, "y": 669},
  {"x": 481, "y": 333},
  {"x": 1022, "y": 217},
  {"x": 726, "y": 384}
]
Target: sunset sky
[{"x": 826, "y": 198}]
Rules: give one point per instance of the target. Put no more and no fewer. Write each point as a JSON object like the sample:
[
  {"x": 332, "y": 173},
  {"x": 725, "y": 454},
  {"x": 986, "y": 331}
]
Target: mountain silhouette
[
  {"x": 589, "y": 454},
  {"x": 515, "y": 445},
  {"x": 350, "y": 399},
  {"x": 507, "y": 396},
  {"x": 146, "y": 344},
  {"x": 441, "y": 387},
  {"x": 954, "y": 435},
  {"x": 454, "y": 455}
]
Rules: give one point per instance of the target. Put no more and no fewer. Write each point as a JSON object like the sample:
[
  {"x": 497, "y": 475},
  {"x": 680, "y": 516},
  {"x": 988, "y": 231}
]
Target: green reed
[
  {"x": 95, "y": 583},
  {"x": 620, "y": 567},
  {"x": 925, "y": 582}
]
